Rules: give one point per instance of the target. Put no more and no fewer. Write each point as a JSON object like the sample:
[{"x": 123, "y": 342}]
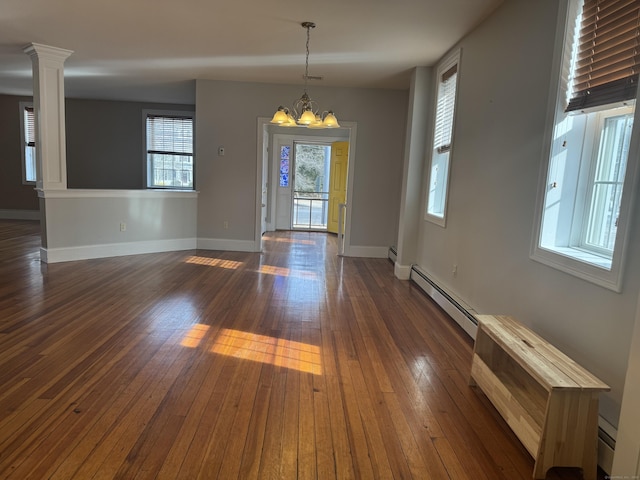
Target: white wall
[
  {"x": 627, "y": 457},
  {"x": 419, "y": 122},
  {"x": 505, "y": 72},
  {"x": 227, "y": 114}
]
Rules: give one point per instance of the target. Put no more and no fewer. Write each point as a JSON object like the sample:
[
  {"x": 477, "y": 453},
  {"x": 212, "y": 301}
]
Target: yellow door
[{"x": 337, "y": 183}]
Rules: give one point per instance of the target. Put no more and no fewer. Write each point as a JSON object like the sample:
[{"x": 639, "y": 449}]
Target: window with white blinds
[
  {"x": 444, "y": 110},
  {"x": 438, "y": 180},
  {"x": 28, "y": 143},
  {"x": 169, "y": 150}
]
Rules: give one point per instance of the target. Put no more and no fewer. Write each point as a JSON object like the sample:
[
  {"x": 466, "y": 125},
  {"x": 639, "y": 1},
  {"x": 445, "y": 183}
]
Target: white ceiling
[{"x": 152, "y": 50}]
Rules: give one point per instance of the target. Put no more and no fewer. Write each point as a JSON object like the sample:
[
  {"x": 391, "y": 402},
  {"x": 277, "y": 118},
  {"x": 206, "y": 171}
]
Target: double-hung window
[
  {"x": 440, "y": 154},
  {"x": 28, "y": 135},
  {"x": 606, "y": 179},
  {"x": 169, "y": 150},
  {"x": 585, "y": 193}
]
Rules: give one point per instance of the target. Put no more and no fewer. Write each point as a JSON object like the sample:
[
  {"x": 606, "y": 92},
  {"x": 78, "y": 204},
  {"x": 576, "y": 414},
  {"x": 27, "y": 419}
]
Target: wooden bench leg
[{"x": 570, "y": 436}]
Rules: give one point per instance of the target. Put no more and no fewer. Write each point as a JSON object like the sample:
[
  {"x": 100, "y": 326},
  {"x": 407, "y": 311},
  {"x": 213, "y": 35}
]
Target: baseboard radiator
[
  {"x": 463, "y": 315},
  {"x": 393, "y": 254},
  {"x": 606, "y": 445}
]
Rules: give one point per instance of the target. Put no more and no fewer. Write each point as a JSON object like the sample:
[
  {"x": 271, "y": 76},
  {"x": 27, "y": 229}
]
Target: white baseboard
[
  {"x": 226, "y": 244},
  {"x": 402, "y": 272},
  {"x": 86, "y": 252},
  {"x": 367, "y": 252},
  {"x": 19, "y": 214}
]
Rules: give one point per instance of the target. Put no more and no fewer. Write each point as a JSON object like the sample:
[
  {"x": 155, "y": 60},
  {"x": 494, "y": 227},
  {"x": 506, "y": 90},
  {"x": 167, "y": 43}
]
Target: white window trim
[
  {"x": 579, "y": 237},
  {"x": 558, "y": 258},
  {"x": 448, "y": 62},
  {"x": 23, "y": 160},
  {"x": 169, "y": 113}
]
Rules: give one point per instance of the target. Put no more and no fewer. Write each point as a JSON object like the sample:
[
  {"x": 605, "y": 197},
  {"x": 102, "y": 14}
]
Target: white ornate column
[{"x": 48, "y": 106}]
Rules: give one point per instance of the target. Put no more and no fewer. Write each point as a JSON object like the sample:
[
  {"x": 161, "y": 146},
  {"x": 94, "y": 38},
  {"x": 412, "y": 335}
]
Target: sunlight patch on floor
[
  {"x": 289, "y": 240},
  {"x": 214, "y": 262},
  {"x": 193, "y": 338},
  {"x": 275, "y": 351},
  {"x": 286, "y": 272}
]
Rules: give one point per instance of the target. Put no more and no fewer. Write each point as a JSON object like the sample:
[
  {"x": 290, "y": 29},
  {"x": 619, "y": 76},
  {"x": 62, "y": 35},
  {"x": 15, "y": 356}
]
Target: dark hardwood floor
[{"x": 290, "y": 364}]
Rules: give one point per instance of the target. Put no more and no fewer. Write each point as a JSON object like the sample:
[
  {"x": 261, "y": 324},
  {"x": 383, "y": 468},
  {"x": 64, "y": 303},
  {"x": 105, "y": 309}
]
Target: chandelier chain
[{"x": 306, "y": 65}]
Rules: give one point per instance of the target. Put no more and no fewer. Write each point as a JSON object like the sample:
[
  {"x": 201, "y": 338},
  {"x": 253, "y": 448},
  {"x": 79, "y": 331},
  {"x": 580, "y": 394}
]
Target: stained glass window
[{"x": 285, "y": 151}]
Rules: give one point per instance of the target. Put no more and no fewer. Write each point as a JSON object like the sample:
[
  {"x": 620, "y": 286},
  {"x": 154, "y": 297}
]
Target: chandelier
[{"x": 305, "y": 112}]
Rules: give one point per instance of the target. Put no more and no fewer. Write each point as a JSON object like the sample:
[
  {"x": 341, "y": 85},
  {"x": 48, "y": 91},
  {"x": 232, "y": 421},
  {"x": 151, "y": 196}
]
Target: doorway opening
[
  {"x": 275, "y": 186},
  {"x": 310, "y": 199}
]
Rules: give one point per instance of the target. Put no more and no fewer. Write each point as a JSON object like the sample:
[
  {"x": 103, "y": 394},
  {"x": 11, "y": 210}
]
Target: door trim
[{"x": 265, "y": 131}]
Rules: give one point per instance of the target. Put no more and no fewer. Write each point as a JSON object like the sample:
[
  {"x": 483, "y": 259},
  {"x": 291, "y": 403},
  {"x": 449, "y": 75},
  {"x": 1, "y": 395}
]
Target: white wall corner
[{"x": 402, "y": 272}]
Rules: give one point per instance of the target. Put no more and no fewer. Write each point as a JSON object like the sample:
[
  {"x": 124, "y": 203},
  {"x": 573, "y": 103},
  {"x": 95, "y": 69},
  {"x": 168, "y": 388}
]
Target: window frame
[
  {"x": 146, "y": 113},
  {"x": 572, "y": 259},
  {"x": 23, "y": 145},
  {"x": 435, "y": 153},
  {"x": 592, "y": 164}
]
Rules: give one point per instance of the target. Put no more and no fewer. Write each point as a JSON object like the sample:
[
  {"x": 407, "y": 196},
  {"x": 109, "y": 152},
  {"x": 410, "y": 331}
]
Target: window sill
[
  {"x": 430, "y": 217},
  {"x": 582, "y": 256},
  {"x": 593, "y": 268}
]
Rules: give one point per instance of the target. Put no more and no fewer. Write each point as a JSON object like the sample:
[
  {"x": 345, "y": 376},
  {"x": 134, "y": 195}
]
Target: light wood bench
[{"x": 549, "y": 401}]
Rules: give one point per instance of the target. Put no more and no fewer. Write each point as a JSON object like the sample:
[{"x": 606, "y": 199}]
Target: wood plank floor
[{"x": 290, "y": 364}]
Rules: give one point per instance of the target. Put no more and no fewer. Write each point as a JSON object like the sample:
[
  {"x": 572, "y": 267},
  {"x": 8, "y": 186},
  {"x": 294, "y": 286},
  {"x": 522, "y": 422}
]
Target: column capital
[{"x": 46, "y": 51}]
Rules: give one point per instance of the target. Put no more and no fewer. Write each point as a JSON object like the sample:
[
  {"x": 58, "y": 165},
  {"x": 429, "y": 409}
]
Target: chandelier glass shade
[{"x": 305, "y": 112}]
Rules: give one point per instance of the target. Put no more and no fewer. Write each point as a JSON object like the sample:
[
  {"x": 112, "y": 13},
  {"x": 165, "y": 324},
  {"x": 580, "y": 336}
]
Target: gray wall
[
  {"x": 227, "y": 116},
  {"x": 104, "y": 147},
  {"x": 105, "y": 151},
  {"x": 105, "y": 143},
  {"x": 13, "y": 194},
  {"x": 505, "y": 73}
]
